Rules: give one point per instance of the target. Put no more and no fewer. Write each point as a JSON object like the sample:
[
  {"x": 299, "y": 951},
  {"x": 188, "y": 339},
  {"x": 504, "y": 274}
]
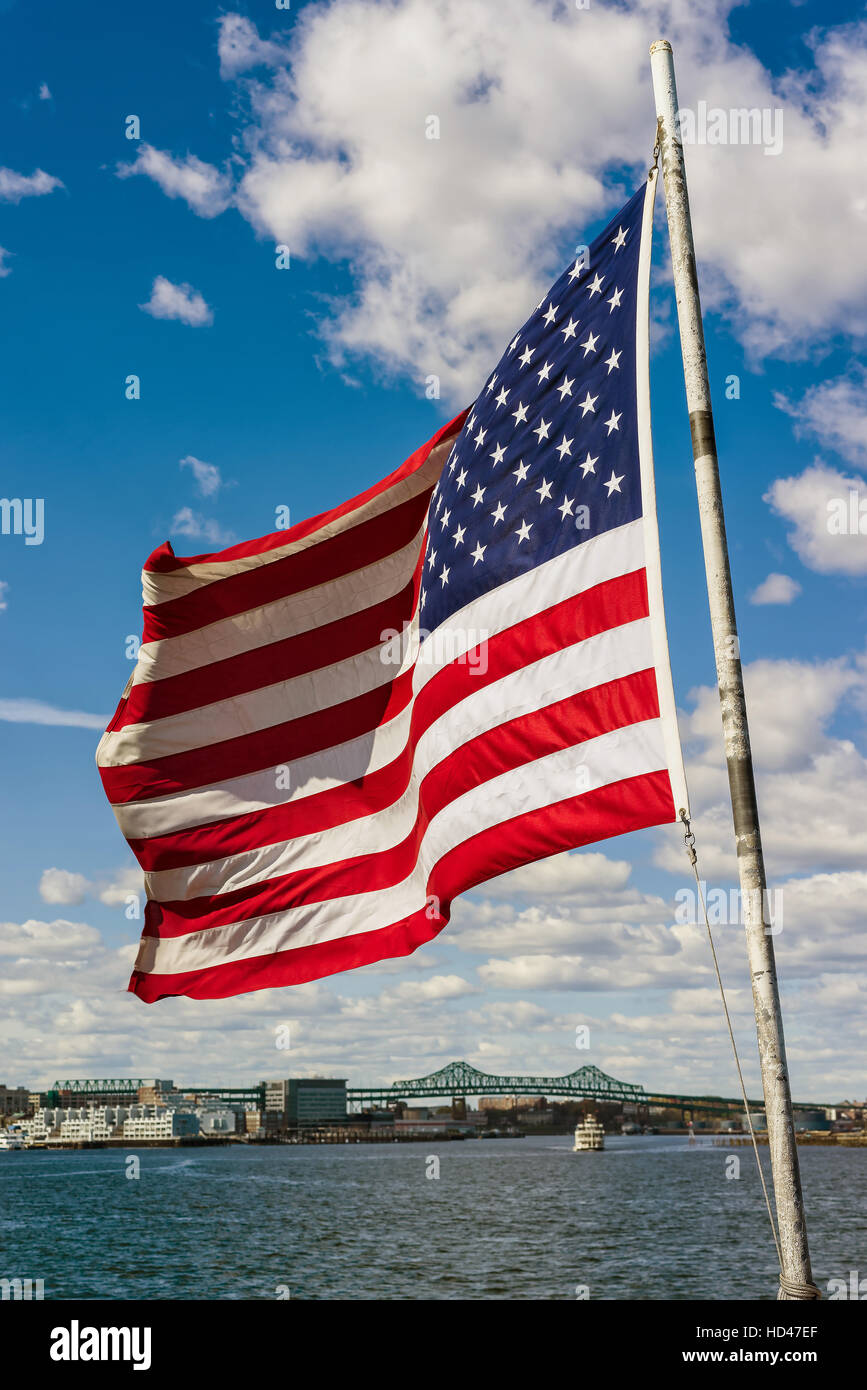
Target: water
[{"x": 650, "y": 1218}]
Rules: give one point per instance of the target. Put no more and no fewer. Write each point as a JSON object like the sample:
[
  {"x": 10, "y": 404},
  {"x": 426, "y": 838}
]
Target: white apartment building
[{"x": 160, "y": 1122}]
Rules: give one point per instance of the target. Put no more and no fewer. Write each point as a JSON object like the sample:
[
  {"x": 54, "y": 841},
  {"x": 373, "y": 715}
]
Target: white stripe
[
  {"x": 605, "y": 657},
  {"x": 284, "y": 617},
  {"x": 630, "y": 752},
  {"x": 596, "y": 561},
  {"x": 160, "y": 586}
]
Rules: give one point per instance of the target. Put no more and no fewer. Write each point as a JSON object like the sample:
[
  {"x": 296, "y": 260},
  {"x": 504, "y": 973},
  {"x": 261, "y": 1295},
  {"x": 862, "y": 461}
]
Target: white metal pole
[{"x": 796, "y": 1277}]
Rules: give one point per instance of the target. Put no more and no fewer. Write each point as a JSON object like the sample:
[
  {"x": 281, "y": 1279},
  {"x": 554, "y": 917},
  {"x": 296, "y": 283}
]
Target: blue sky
[{"x": 261, "y": 126}]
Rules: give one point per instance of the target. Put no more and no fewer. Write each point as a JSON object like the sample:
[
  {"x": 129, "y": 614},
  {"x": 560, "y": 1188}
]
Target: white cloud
[
  {"x": 207, "y": 475},
  {"x": 4, "y": 589},
  {"x": 451, "y": 240},
  {"x": 819, "y": 504},
  {"x": 777, "y": 588},
  {"x": 4, "y": 268},
  {"x": 14, "y": 187},
  {"x": 186, "y": 522},
  {"x": 181, "y": 302},
  {"x": 24, "y": 711},
  {"x": 205, "y": 189},
  {"x": 835, "y": 412},
  {"x": 44, "y": 93},
  {"x": 61, "y": 886},
  {"x": 47, "y": 939}
]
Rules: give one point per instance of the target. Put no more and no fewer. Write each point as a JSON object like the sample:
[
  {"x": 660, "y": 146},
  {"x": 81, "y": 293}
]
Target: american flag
[{"x": 333, "y": 731}]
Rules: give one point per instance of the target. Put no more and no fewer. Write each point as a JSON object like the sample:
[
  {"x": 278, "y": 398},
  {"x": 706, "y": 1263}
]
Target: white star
[
  {"x": 439, "y": 502},
  {"x": 514, "y": 343},
  {"x": 566, "y": 508},
  {"x": 524, "y": 533},
  {"x": 468, "y": 427},
  {"x": 564, "y": 447},
  {"x": 454, "y": 460},
  {"x": 551, "y": 311},
  {"x": 491, "y": 382},
  {"x": 477, "y": 495},
  {"x": 431, "y": 559},
  {"x": 613, "y": 360},
  {"x": 543, "y": 375},
  {"x": 444, "y": 577},
  {"x": 542, "y": 430},
  {"x": 589, "y": 344},
  {"x": 422, "y": 598},
  {"x": 569, "y": 331},
  {"x": 545, "y": 490},
  {"x": 459, "y": 535},
  {"x": 565, "y": 387},
  {"x": 619, "y": 239},
  {"x": 502, "y": 397},
  {"x": 614, "y": 301},
  {"x": 521, "y": 471},
  {"x": 478, "y": 554},
  {"x": 588, "y": 403},
  {"x": 499, "y": 513},
  {"x": 612, "y": 423},
  {"x": 498, "y": 453},
  {"x": 596, "y": 287},
  {"x": 613, "y": 483},
  {"x": 589, "y": 465},
  {"x": 520, "y": 414},
  {"x": 445, "y": 518},
  {"x": 480, "y": 437},
  {"x": 461, "y": 478},
  {"x": 526, "y": 355}
]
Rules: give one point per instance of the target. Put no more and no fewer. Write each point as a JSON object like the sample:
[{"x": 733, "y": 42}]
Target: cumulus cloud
[
  {"x": 203, "y": 188},
  {"x": 180, "y": 302},
  {"x": 14, "y": 187},
  {"x": 44, "y": 93},
  {"x": 835, "y": 412},
  {"x": 777, "y": 588},
  {"x": 4, "y": 268},
  {"x": 826, "y": 509},
  {"x": 207, "y": 475},
  {"x": 61, "y": 886},
  {"x": 451, "y": 239},
  {"x": 186, "y": 522}
]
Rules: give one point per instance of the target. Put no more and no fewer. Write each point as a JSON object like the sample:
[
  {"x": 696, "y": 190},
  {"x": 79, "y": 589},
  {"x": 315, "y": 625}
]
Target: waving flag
[{"x": 333, "y": 731}]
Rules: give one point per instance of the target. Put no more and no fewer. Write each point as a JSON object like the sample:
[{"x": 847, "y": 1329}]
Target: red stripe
[
  {"x": 605, "y": 606},
  {"x": 623, "y": 806},
  {"x": 267, "y": 665},
  {"x": 516, "y": 743},
  {"x": 165, "y": 561},
  {"x": 328, "y": 560}
]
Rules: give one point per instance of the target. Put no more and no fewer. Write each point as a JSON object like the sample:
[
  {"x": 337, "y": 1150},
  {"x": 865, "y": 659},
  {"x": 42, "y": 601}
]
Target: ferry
[
  {"x": 589, "y": 1135},
  {"x": 12, "y": 1138}
]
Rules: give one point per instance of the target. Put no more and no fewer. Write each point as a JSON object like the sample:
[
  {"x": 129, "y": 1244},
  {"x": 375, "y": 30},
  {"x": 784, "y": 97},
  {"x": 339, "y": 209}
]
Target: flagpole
[{"x": 796, "y": 1278}]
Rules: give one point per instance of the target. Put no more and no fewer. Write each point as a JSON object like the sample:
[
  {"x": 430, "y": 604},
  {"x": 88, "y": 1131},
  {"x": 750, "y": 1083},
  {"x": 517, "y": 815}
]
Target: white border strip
[{"x": 659, "y": 635}]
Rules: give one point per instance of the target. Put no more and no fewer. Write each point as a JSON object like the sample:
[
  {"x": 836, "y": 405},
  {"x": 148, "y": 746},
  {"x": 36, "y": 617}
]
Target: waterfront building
[
  {"x": 14, "y": 1100},
  {"x": 310, "y": 1100},
  {"x": 215, "y": 1120},
  {"x": 160, "y": 1122}
]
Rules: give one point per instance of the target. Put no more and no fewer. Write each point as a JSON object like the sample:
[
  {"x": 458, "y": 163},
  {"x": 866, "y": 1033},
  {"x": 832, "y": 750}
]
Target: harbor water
[{"x": 649, "y": 1218}]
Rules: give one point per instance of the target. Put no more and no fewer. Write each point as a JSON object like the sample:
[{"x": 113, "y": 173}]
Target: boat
[
  {"x": 12, "y": 1138},
  {"x": 589, "y": 1135}
]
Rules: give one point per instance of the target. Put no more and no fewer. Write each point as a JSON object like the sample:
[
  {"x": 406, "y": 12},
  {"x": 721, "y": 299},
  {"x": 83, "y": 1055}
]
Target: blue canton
[{"x": 548, "y": 456}]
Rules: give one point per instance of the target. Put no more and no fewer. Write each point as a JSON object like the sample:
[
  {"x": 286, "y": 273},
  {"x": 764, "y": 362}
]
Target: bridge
[{"x": 458, "y": 1080}]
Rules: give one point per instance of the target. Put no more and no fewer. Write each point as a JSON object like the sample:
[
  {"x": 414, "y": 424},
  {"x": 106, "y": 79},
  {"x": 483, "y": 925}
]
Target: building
[
  {"x": 14, "y": 1100},
  {"x": 155, "y": 1092},
  {"x": 160, "y": 1122},
  {"x": 215, "y": 1120},
  {"x": 310, "y": 1100}
]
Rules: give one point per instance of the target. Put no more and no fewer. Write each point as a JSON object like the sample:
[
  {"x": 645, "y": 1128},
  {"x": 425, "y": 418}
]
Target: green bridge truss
[{"x": 459, "y": 1079}]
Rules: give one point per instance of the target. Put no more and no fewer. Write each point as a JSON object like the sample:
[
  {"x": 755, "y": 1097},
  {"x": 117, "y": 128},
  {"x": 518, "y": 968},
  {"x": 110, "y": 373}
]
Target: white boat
[
  {"x": 589, "y": 1135},
  {"x": 12, "y": 1138}
]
